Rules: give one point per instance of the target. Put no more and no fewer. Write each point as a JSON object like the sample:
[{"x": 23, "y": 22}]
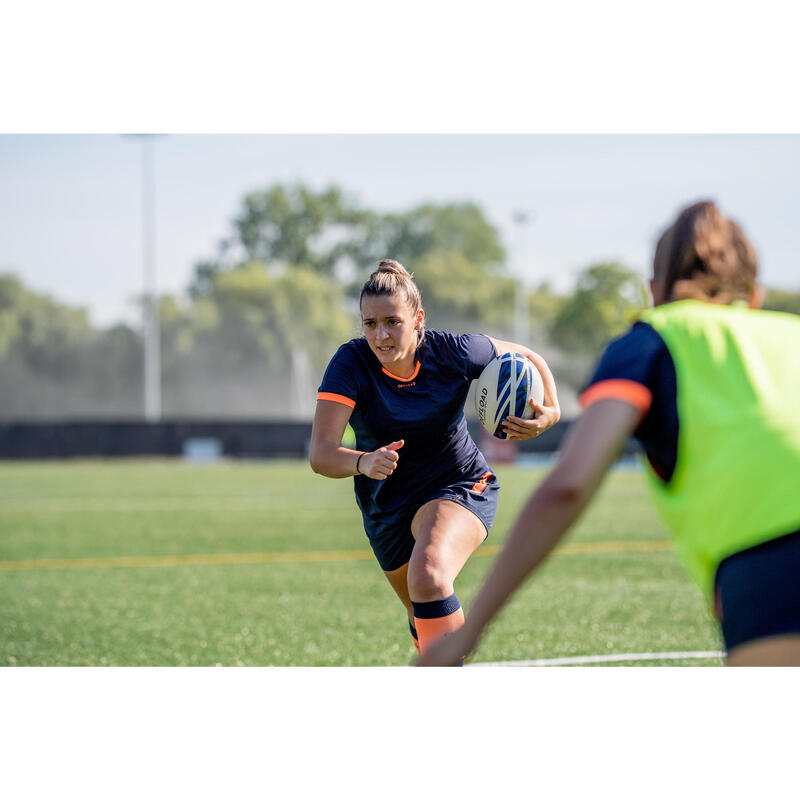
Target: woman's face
[{"x": 391, "y": 329}]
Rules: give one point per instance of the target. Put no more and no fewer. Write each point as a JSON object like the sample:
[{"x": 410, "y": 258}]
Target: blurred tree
[
  {"x": 41, "y": 332},
  {"x": 782, "y": 300},
  {"x": 456, "y": 291},
  {"x": 176, "y": 331},
  {"x": 454, "y": 252},
  {"x": 606, "y": 300},
  {"x": 254, "y": 343},
  {"x": 441, "y": 229},
  {"x": 54, "y": 363},
  {"x": 456, "y": 258},
  {"x": 291, "y": 226},
  {"x": 109, "y": 380},
  {"x": 544, "y": 305},
  {"x": 10, "y": 292},
  {"x": 249, "y": 315}
]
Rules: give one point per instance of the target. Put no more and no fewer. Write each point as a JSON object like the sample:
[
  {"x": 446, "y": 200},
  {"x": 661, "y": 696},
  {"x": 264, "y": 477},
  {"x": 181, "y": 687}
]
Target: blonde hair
[
  {"x": 705, "y": 256},
  {"x": 393, "y": 278}
]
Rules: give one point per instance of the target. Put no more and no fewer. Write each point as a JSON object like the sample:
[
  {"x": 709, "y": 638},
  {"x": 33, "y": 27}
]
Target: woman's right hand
[{"x": 381, "y": 463}]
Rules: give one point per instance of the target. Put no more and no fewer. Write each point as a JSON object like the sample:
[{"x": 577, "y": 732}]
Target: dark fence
[
  {"x": 239, "y": 439},
  {"x": 172, "y": 438}
]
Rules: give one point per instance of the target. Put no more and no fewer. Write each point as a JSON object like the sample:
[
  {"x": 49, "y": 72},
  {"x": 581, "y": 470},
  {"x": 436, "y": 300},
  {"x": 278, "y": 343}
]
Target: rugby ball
[{"x": 504, "y": 389}]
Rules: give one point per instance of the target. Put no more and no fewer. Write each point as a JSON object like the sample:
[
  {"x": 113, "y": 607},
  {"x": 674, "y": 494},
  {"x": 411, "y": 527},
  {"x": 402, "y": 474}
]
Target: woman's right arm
[
  {"x": 591, "y": 448},
  {"x": 326, "y": 454},
  {"x": 329, "y": 458}
]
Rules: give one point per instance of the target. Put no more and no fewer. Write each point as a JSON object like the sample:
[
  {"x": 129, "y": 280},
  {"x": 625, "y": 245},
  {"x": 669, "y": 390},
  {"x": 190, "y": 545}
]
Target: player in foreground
[
  {"x": 425, "y": 491},
  {"x": 709, "y": 385}
]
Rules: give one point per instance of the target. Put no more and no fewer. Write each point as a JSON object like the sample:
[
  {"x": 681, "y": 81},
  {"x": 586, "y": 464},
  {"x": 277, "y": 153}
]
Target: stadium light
[
  {"x": 151, "y": 332},
  {"x": 522, "y": 326}
]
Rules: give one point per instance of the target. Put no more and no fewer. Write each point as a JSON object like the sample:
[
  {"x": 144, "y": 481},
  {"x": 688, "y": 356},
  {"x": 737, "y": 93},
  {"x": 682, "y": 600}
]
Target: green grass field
[{"x": 238, "y": 563}]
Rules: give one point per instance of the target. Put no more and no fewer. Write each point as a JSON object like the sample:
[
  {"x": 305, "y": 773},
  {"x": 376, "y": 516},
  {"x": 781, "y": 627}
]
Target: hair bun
[{"x": 392, "y": 266}]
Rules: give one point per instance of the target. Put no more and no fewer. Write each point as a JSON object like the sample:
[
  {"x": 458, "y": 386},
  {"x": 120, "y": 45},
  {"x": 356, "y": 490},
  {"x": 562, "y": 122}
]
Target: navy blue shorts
[
  {"x": 392, "y": 542},
  {"x": 758, "y": 591}
]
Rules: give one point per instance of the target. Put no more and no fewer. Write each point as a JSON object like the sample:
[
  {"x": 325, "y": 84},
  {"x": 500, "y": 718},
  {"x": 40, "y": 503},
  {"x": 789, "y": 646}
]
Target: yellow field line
[
  {"x": 591, "y": 548},
  {"x": 320, "y": 556},
  {"x": 579, "y": 548}
]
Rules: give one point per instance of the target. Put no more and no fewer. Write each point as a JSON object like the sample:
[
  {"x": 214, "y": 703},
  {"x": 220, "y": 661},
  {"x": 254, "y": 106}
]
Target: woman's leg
[
  {"x": 446, "y": 534},
  {"x": 398, "y": 578}
]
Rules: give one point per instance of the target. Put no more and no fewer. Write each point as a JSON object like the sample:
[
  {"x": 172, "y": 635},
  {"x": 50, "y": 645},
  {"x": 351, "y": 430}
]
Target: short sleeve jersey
[
  {"x": 638, "y": 368},
  {"x": 426, "y": 410}
]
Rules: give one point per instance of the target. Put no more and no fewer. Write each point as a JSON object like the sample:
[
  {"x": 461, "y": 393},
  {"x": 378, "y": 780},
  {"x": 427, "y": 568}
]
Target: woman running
[
  {"x": 709, "y": 385},
  {"x": 426, "y": 493}
]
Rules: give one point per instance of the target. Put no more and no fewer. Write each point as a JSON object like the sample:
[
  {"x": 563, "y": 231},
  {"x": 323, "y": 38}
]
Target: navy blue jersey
[
  {"x": 425, "y": 410},
  {"x": 637, "y": 368}
]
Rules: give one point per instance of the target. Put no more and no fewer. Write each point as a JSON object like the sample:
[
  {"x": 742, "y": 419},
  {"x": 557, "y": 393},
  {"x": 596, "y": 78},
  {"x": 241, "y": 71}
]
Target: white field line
[{"x": 609, "y": 658}]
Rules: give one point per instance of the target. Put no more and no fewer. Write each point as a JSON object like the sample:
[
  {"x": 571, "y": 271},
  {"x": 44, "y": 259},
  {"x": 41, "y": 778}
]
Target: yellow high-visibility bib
[{"x": 736, "y": 482}]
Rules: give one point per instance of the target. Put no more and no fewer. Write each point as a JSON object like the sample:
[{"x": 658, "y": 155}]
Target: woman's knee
[{"x": 428, "y": 580}]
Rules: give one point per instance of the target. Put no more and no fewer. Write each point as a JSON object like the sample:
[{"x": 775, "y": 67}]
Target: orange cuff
[
  {"x": 336, "y": 398},
  {"x": 628, "y": 391},
  {"x": 430, "y": 630}
]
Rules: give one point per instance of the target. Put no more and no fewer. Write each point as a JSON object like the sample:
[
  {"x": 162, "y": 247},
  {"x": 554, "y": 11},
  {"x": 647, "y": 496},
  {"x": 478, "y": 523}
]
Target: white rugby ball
[{"x": 504, "y": 389}]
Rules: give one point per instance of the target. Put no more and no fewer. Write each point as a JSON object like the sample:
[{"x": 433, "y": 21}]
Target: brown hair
[
  {"x": 392, "y": 278},
  {"x": 704, "y": 255}
]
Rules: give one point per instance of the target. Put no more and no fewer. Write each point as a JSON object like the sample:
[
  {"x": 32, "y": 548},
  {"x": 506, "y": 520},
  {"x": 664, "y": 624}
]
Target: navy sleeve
[
  {"x": 634, "y": 356},
  {"x": 638, "y": 368},
  {"x": 473, "y": 350},
  {"x": 340, "y": 382}
]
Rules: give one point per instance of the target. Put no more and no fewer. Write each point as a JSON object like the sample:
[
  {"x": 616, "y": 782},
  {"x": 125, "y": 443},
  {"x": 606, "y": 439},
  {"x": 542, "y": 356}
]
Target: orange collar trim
[{"x": 404, "y": 380}]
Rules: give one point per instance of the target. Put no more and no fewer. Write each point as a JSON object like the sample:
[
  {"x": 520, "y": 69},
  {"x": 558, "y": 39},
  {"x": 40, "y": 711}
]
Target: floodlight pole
[
  {"x": 151, "y": 332},
  {"x": 522, "y": 330}
]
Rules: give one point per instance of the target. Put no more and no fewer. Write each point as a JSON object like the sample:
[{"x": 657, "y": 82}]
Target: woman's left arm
[{"x": 545, "y": 415}]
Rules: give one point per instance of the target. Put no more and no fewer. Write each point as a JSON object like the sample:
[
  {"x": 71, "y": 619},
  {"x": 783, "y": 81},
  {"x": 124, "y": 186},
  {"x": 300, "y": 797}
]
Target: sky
[{"x": 71, "y": 205}]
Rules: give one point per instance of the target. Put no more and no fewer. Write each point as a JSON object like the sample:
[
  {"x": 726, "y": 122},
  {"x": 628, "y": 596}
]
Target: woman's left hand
[{"x": 544, "y": 417}]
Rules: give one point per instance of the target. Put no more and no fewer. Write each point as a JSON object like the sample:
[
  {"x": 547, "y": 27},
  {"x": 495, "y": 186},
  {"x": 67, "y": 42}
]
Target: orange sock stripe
[{"x": 429, "y": 630}]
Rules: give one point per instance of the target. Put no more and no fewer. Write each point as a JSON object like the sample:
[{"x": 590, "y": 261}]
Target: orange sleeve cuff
[
  {"x": 619, "y": 389},
  {"x": 336, "y": 398}
]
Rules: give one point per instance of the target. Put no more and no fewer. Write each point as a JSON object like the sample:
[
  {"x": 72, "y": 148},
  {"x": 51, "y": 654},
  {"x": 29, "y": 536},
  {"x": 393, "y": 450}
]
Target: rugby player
[{"x": 426, "y": 493}]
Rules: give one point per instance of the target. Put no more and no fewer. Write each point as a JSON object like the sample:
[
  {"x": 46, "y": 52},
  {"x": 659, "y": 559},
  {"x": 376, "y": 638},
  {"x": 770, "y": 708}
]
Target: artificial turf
[{"x": 327, "y": 602}]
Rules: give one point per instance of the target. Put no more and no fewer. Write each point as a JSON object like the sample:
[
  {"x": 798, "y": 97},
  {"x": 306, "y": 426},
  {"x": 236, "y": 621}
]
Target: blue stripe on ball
[
  {"x": 500, "y": 417},
  {"x": 504, "y": 403},
  {"x": 522, "y": 396},
  {"x": 504, "y": 373}
]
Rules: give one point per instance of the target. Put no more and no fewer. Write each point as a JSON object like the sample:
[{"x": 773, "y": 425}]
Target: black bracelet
[{"x": 358, "y": 461}]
